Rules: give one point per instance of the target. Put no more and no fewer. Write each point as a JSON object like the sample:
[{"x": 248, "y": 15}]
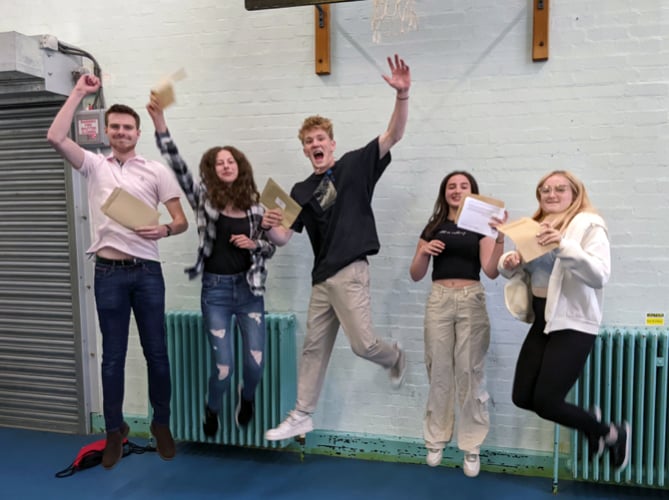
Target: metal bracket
[{"x": 321, "y": 16}]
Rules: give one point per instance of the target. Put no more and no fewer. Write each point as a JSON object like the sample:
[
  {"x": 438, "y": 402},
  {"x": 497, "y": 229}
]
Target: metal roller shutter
[{"x": 40, "y": 337}]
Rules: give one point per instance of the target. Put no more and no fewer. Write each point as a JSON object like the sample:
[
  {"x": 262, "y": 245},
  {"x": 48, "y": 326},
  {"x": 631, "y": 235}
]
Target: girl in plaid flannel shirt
[{"x": 231, "y": 257}]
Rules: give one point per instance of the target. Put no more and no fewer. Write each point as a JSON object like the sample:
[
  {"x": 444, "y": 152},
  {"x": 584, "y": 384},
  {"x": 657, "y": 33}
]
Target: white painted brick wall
[{"x": 598, "y": 107}]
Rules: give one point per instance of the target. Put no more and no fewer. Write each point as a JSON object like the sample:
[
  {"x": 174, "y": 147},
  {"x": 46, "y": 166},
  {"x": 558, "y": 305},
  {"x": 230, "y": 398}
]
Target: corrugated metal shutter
[{"x": 40, "y": 340}]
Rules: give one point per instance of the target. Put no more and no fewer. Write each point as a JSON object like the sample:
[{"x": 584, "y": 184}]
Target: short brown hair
[
  {"x": 123, "y": 110},
  {"x": 313, "y": 122}
]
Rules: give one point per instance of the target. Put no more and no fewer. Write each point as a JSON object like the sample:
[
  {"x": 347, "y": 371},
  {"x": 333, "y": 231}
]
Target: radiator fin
[
  {"x": 190, "y": 364},
  {"x": 626, "y": 376}
]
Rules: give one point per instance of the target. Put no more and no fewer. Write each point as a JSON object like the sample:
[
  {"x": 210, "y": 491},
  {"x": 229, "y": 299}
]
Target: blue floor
[{"x": 29, "y": 460}]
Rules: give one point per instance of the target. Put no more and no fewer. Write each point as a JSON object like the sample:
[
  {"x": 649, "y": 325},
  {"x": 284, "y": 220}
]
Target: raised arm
[
  {"x": 400, "y": 80},
  {"x": 157, "y": 114},
  {"x": 60, "y": 127},
  {"x": 170, "y": 153}
]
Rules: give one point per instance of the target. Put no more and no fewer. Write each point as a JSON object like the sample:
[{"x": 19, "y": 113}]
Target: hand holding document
[
  {"x": 164, "y": 91},
  {"x": 475, "y": 212},
  {"x": 128, "y": 210},
  {"x": 274, "y": 197},
  {"x": 523, "y": 233}
]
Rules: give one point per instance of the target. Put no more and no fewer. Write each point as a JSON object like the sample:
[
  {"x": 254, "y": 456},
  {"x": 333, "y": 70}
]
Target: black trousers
[{"x": 547, "y": 368}]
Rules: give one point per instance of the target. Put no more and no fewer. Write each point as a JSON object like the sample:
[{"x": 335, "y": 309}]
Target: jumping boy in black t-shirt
[{"x": 337, "y": 214}]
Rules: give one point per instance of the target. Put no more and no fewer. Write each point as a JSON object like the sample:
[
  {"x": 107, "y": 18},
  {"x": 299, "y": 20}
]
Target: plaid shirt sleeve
[
  {"x": 257, "y": 274},
  {"x": 170, "y": 153}
]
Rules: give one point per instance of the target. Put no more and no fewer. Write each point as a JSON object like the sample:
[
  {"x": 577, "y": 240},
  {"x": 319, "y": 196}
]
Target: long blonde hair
[{"x": 580, "y": 201}]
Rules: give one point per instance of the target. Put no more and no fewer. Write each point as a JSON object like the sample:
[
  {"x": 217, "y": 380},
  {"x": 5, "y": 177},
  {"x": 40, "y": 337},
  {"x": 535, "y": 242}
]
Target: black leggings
[{"x": 547, "y": 368}]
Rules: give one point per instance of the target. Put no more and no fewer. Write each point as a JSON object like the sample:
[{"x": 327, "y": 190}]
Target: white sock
[{"x": 611, "y": 438}]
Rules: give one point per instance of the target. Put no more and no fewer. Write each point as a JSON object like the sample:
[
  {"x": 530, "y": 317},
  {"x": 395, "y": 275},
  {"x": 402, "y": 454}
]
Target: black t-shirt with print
[
  {"x": 344, "y": 231},
  {"x": 461, "y": 258}
]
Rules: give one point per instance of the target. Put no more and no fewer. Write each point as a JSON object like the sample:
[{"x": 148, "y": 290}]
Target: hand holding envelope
[
  {"x": 128, "y": 210},
  {"x": 274, "y": 197},
  {"x": 164, "y": 91},
  {"x": 523, "y": 233}
]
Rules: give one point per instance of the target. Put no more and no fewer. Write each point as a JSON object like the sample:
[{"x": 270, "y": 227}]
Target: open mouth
[{"x": 319, "y": 155}]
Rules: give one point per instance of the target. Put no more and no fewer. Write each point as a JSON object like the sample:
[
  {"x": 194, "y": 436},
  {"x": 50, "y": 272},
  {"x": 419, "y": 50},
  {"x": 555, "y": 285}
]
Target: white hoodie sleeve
[{"x": 586, "y": 252}]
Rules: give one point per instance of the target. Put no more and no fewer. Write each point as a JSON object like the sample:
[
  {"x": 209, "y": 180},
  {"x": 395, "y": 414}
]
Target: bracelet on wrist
[
  {"x": 168, "y": 230},
  {"x": 500, "y": 242},
  {"x": 405, "y": 98}
]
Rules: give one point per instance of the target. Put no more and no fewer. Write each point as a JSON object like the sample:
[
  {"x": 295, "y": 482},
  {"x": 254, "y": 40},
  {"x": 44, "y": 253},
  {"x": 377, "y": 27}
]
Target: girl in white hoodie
[{"x": 567, "y": 287}]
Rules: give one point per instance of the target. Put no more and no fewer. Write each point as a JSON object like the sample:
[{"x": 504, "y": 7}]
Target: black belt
[{"x": 123, "y": 262}]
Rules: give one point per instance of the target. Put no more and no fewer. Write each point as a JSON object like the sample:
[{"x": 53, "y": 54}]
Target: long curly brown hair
[{"x": 242, "y": 193}]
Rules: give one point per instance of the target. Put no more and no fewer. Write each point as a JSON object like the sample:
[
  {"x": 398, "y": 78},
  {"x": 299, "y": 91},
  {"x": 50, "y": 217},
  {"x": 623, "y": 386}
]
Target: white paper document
[{"x": 475, "y": 213}]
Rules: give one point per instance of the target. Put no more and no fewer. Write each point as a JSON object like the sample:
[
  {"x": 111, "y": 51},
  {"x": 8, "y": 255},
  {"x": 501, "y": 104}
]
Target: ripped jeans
[
  {"x": 457, "y": 336},
  {"x": 222, "y": 297}
]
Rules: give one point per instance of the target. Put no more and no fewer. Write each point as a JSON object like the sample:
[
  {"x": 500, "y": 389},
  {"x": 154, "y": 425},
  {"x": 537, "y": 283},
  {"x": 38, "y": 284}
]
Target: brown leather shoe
[
  {"x": 114, "y": 446},
  {"x": 164, "y": 441}
]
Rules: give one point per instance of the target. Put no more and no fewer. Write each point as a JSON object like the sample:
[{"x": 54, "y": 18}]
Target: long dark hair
[
  {"x": 440, "y": 212},
  {"x": 242, "y": 193}
]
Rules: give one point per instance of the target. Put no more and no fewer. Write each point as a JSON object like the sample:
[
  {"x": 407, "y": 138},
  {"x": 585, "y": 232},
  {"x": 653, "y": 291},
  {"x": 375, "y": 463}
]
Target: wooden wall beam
[
  {"x": 540, "y": 30},
  {"x": 322, "y": 39}
]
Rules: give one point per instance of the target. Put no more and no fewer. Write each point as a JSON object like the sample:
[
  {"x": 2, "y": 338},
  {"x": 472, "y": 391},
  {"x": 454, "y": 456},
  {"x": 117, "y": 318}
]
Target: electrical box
[{"x": 89, "y": 129}]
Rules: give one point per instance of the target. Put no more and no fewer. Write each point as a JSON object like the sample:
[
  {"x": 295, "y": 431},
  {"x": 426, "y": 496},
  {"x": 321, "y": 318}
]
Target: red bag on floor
[{"x": 91, "y": 455}]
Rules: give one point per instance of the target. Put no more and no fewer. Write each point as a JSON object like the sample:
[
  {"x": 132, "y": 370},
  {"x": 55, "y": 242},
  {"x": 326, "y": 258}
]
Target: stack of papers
[{"x": 475, "y": 212}]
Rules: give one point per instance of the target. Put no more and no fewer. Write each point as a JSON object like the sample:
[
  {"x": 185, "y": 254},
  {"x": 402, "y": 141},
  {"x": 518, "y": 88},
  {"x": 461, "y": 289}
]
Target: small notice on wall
[{"x": 654, "y": 319}]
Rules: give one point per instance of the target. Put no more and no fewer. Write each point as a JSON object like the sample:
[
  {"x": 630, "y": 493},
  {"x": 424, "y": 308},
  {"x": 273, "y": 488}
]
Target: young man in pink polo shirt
[{"x": 128, "y": 274}]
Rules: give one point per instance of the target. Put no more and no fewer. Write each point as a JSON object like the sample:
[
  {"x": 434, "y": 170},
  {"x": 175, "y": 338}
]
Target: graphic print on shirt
[{"x": 326, "y": 193}]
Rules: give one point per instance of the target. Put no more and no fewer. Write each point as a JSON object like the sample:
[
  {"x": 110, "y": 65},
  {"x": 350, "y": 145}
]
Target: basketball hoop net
[{"x": 393, "y": 17}]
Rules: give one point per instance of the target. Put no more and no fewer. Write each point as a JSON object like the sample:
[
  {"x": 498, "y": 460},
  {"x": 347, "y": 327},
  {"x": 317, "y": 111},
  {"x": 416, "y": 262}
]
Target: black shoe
[
  {"x": 244, "y": 412},
  {"x": 210, "y": 424},
  {"x": 596, "y": 444},
  {"x": 620, "y": 450}
]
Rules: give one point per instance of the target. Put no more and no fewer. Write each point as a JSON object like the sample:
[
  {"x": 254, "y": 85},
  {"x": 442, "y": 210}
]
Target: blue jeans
[
  {"x": 222, "y": 296},
  {"x": 120, "y": 288}
]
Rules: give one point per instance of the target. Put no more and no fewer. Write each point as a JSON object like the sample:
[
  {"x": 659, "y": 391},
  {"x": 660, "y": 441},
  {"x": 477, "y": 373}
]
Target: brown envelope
[
  {"x": 523, "y": 233},
  {"x": 128, "y": 210},
  {"x": 274, "y": 197},
  {"x": 164, "y": 91}
]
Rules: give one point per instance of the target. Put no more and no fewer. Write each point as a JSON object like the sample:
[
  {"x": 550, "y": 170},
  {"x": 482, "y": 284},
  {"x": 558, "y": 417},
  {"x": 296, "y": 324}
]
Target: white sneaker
[
  {"x": 295, "y": 424},
  {"x": 433, "y": 457},
  {"x": 471, "y": 466},
  {"x": 399, "y": 370}
]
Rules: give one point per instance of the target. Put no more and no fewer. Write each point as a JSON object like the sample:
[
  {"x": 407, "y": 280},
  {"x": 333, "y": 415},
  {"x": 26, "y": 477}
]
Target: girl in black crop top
[
  {"x": 232, "y": 252},
  {"x": 457, "y": 328}
]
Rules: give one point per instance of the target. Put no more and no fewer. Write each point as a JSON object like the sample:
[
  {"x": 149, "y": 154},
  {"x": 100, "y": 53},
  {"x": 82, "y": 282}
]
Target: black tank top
[{"x": 225, "y": 257}]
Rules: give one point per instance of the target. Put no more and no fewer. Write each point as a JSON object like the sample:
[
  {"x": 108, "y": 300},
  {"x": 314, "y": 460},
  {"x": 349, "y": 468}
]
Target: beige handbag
[{"x": 518, "y": 297}]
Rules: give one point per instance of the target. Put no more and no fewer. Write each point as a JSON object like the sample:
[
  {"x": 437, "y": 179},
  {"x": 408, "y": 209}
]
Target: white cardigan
[{"x": 574, "y": 299}]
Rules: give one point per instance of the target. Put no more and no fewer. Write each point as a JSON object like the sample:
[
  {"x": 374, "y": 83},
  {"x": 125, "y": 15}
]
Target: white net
[{"x": 391, "y": 17}]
